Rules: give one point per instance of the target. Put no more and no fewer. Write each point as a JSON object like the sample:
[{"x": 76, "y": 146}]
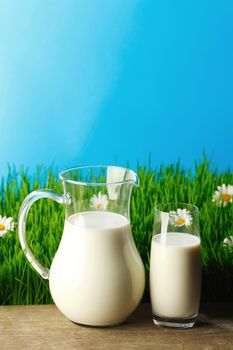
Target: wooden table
[{"x": 44, "y": 327}]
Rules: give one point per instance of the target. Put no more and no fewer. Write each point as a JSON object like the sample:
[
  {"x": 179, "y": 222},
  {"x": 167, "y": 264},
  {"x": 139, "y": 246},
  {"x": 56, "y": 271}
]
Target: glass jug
[{"x": 97, "y": 276}]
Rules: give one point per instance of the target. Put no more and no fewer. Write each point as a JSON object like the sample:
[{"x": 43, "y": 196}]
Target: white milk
[
  {"x": 97, "y": 276},
  {"x": 175, "y": 275}
]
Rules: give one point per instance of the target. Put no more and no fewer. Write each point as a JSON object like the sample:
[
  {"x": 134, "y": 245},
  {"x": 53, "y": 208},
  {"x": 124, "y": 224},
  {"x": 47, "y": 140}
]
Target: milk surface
[
  {"x": 175, "y": 275},
  {"x": 97, "y": 276}
]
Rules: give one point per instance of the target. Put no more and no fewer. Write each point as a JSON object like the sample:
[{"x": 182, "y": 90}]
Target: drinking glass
[{"x": 175, "y": 265}]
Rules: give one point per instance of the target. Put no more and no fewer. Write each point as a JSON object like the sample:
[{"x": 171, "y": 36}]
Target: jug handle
[{"x": 22, "y": 219}]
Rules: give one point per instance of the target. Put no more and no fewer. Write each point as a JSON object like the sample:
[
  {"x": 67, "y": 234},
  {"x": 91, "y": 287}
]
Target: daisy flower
[
  {"x": 99, "y": 202},
  {"x": 223, "y": 195},
  {"x": 181, "y": 217},
  {"x": 228, "y": 241},
  {"x": 6, "y": 224}
]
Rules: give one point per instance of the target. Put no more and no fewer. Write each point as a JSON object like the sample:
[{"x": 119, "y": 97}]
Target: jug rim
[{"x": 134, "y": 181}]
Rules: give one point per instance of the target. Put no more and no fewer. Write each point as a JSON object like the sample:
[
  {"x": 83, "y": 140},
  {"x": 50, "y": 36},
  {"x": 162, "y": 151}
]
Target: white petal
[
  {"x": 228, "y": 241},
  {"x": 2, "y": 233},
  {"x": 179, "y": 212},
  {"x": 230, "y": 189},
  {"x": 217, "y": 196},
  {"x": 8, "y": 220}
]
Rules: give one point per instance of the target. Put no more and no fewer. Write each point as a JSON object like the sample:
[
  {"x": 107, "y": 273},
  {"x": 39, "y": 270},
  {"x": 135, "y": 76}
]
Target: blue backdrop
[{"x": 87, "y": 81}]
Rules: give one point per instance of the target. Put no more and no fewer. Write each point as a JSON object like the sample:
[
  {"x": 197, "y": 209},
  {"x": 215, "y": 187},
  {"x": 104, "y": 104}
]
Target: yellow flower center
[
  {"x": 2, "y": 227},
  {"x": 226, "y": 197},
  {"x": 98, "y": 206},
  {"x": 180, "y": 221}
]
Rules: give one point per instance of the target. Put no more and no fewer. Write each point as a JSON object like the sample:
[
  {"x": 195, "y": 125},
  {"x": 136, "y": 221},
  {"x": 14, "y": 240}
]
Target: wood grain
[{"x": 44, "y": 327}]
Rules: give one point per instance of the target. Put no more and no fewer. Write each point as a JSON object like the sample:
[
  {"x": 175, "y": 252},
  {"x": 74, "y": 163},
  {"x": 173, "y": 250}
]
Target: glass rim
[
  {"x": 62, "y": 177},
  {"x": 158, "y": 207}
]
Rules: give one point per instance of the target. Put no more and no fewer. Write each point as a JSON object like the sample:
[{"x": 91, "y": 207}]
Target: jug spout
[
  {"x": 120, "y": 182},
  {"x": 119, "y": 175},
  {"x": 134, "y": 178}
]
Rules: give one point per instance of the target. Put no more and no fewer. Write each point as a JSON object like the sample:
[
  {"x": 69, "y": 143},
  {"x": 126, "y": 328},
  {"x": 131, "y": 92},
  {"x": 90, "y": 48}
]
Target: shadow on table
[{"x": 211, "y": 314}]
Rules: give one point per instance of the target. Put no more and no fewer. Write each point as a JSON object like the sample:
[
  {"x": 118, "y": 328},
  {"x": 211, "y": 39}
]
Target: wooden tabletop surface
[{"x": 44, "y": 327}]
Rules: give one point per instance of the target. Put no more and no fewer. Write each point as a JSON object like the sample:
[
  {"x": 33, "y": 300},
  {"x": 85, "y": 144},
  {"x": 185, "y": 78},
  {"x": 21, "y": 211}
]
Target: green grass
[{"x": 20, "y": 284}]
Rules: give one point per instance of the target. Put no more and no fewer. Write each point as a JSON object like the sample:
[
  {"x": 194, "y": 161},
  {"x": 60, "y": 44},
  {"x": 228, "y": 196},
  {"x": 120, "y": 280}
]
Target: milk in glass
[{"x": 175, "y": 275}]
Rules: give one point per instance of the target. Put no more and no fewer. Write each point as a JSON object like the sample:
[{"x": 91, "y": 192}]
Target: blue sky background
[{"x": 87, "y": 81}]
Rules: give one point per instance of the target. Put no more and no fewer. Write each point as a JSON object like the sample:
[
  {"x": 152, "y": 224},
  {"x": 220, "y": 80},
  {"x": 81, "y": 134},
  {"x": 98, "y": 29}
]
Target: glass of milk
[{"x": 175, "y": 265}]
